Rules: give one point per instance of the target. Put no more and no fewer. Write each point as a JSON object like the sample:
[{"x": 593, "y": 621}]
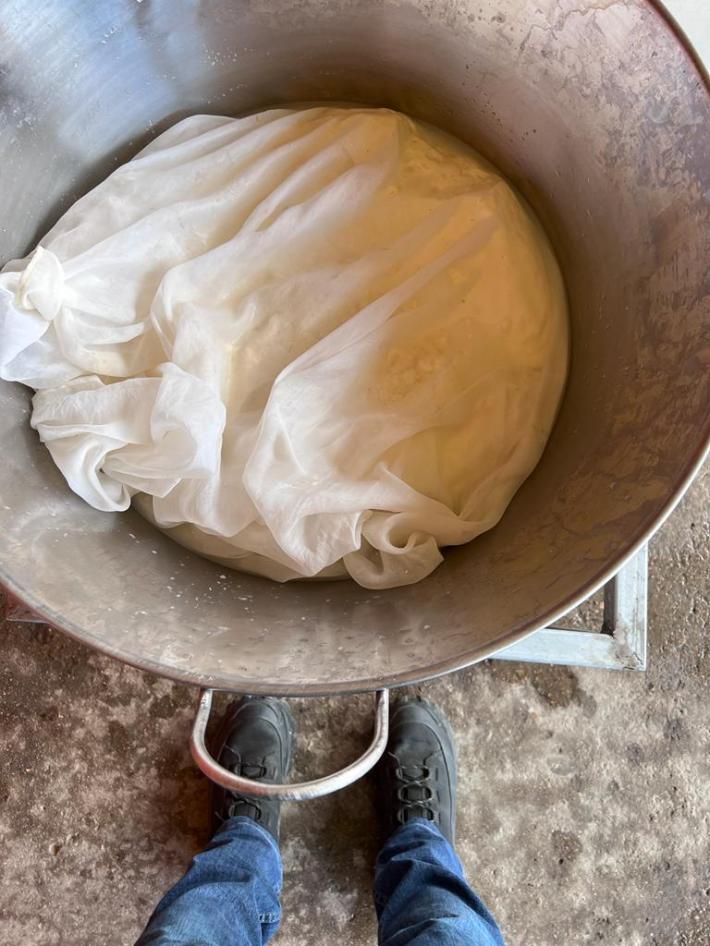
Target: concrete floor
[{"x": 584, "y": 795}]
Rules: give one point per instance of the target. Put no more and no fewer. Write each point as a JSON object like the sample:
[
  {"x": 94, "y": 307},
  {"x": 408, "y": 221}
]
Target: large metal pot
[{"x": 599, "y": 113}]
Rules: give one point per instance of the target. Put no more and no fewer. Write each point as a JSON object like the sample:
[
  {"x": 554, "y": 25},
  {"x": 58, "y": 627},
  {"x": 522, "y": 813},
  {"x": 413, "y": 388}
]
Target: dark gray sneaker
[
  {"x": 255, "y": 740},
  {"x": 417, "y": 774}
]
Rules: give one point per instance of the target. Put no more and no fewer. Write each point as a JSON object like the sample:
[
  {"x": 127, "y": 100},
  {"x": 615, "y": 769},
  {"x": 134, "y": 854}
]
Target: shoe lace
[
  {"x": 414, "y": 794},
  {"x": 238, "y": 804}
]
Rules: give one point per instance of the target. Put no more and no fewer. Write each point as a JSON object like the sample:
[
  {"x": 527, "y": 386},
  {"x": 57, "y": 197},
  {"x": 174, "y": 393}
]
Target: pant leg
[
  {"x": 229, "y": 895},
  {"x": 422, "y": 897}
]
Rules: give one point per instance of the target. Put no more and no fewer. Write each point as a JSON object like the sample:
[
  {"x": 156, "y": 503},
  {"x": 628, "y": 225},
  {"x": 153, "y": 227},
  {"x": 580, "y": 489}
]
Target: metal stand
[{"x": 620, "y": 643}]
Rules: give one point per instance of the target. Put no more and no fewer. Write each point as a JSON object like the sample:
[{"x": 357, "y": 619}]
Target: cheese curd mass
[{"x": 310, "y": 342}]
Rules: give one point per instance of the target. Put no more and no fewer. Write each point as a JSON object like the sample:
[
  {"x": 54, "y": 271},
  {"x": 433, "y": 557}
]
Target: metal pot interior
[{"x": 601, "y": 118}]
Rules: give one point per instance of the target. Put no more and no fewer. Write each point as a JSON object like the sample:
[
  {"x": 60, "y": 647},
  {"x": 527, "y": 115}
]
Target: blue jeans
[{"x": 230, "y": 893}]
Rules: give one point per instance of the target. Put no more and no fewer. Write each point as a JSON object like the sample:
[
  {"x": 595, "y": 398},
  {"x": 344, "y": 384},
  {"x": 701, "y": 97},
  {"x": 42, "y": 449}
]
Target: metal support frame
[{"x": 620, "y": 644}]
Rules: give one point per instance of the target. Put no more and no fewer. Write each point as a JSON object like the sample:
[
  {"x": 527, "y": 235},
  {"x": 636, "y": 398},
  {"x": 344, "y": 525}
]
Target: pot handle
[{"x": 299, "y": 791}]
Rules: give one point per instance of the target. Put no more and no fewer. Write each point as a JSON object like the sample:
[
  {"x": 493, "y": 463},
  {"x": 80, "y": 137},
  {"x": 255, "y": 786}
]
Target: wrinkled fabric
[{"x": 311, "y": 342}]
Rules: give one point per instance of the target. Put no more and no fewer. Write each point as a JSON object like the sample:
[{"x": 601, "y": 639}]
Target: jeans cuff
[{"x": 232, "y": 824}]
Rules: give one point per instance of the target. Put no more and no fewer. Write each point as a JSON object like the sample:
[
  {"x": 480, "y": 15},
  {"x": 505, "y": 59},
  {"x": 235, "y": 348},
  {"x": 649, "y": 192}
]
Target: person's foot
[
  {"x": 417, "y": 774},
  {"x": 256, "y": 741}
]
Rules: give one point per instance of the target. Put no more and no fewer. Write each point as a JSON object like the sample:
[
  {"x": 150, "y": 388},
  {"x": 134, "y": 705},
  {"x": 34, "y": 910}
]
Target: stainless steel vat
[{"x": 599, "y": 113}]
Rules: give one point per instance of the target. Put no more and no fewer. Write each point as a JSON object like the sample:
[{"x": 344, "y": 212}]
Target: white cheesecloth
[{"x": 319, "y": 341}]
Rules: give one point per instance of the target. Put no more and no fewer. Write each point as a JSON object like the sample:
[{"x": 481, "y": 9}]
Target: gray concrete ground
[{"x": 584, "y": 809}]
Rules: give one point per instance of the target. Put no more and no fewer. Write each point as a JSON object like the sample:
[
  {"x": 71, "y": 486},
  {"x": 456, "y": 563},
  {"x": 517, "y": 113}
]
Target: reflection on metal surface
[{"x": 618, "y": 642}]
